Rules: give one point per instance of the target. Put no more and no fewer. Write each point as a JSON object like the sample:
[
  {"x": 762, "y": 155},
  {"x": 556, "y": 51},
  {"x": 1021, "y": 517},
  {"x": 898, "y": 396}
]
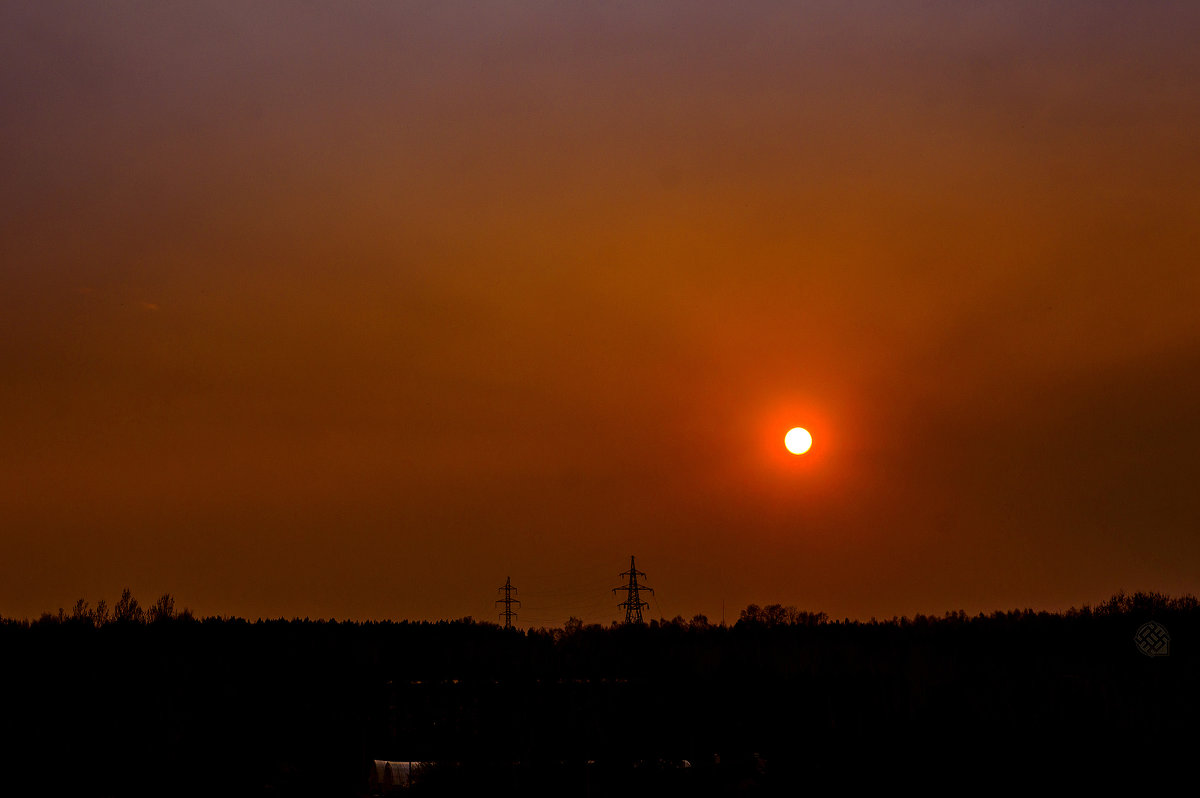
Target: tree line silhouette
[
  {"x": 126, "y": 610},
  {"x": 153, "y": 700}
]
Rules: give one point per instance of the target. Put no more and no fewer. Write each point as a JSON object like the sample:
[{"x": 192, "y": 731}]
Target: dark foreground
[{"x": 187, "y": 707}]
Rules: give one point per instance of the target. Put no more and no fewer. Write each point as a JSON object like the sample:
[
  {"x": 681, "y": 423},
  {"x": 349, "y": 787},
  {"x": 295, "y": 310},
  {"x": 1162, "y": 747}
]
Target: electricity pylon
[
  {"x": 633, "y": 603},
  {"x": 508, "y": 601}
]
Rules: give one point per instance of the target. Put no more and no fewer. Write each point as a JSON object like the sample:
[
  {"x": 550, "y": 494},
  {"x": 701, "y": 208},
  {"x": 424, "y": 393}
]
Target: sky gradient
[{"x": 355, "y": 310}]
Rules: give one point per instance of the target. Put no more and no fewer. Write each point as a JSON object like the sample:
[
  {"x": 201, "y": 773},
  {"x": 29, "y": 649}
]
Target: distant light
[{"x": 797, "y": 441}]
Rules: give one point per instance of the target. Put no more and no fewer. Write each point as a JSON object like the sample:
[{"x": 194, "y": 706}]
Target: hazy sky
[{"x": 356, "y": 309}]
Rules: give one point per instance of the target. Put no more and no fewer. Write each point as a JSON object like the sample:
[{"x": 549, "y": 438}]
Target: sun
[{"x": 797, "y": 441}]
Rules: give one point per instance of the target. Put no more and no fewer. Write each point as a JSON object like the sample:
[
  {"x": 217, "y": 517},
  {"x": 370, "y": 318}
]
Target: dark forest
[{"x": 155, "y": 701}]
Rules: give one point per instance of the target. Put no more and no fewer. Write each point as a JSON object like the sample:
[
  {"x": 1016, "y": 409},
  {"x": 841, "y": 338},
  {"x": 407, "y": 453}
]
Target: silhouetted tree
[
  {"x": 805, "y": 618},
  {"x": 163, "y": 609},
  {"x": 127, "y": 609},
  {"x": 80, "y": 611},
  {"x": 751, "y": 614},
  {"x": 779, "y": 615}
]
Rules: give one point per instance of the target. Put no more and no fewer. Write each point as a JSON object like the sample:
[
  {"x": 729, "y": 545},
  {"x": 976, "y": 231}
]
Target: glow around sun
[{"x": 797, "y": 441}]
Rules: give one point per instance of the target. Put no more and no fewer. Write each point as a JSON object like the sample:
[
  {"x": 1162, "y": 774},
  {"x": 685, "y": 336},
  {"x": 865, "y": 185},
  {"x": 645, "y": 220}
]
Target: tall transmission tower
[
  {"x": 508, "y": 601},
  {"x": 633, "y": 603}
]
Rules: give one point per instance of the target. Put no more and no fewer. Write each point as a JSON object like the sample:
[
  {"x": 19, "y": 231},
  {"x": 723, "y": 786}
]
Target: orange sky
[{"x": 354, "y": 310}]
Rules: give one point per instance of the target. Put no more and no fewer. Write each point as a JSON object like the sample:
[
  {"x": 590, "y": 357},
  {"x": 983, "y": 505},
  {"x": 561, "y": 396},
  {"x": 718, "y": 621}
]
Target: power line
[
  {"x": 508, "y": 601},
  {"x": 588, "y": 589},
  {"x": 633, "y": 604}
]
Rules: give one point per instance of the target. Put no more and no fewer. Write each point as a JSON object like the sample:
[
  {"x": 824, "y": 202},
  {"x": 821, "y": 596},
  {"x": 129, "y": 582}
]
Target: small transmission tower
[
  {"x": 508, "y": 601},
  {"x": 633, "y": 603}
]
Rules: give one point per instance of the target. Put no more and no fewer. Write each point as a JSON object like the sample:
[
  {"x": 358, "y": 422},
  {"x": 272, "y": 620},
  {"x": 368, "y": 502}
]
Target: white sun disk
[{"x": 797, "y": 441}]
